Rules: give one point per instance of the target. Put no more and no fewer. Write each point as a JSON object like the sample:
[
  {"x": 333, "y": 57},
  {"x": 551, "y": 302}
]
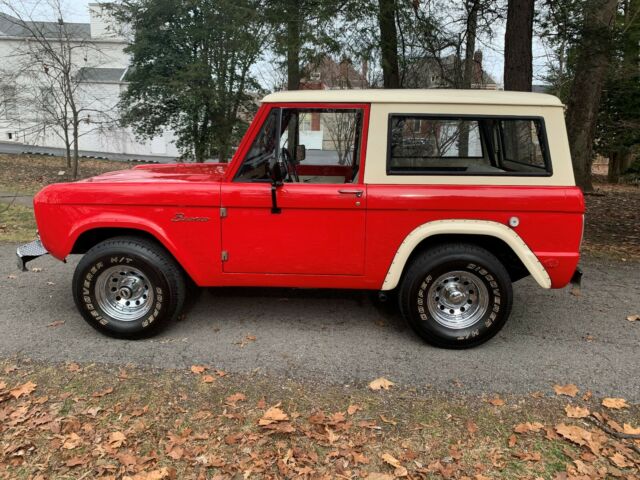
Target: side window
[
  {"x": 262, "y": 155},
  {"x": 324, "y": 144},
  {"x": 317, "y": 146},
  {"x": 420, "y": 144}
]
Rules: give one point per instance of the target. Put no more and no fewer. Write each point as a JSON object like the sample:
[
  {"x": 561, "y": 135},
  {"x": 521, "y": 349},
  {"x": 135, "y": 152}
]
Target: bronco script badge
[{"x": 180, "y": 217}]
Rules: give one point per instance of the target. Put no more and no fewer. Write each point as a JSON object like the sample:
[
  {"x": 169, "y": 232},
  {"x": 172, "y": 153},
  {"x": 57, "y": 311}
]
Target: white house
[{"x": 102, "y": 66}]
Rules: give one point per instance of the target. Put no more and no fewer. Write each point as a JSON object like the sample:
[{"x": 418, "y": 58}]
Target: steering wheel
[{"x": 291, "y": 165}]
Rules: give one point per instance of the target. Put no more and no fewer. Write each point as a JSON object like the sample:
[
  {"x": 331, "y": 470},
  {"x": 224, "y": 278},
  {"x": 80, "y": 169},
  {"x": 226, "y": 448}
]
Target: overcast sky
[{"x": 493, "y": 59}]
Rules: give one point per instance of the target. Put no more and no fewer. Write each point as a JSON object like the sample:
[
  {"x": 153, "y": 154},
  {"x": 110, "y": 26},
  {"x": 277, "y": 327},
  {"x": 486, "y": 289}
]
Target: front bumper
[{"x": 28, "y": 252}]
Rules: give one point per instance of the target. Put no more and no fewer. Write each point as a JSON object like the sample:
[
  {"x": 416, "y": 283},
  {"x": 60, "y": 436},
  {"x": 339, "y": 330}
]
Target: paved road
[{"x": 342, "y": 337}]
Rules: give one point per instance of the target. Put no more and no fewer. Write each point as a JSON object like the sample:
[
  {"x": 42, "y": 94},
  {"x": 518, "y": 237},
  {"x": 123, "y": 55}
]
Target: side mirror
[{"x": 301, "y": 153}]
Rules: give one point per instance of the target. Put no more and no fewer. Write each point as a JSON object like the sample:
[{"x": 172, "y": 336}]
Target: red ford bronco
[{"x": 445, "y": 197}]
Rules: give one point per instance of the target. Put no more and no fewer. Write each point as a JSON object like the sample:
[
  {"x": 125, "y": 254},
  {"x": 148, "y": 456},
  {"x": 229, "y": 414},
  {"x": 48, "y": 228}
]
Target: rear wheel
[
  {"x": 128, "y": 287},
  {"x": 456, "y": 296}
]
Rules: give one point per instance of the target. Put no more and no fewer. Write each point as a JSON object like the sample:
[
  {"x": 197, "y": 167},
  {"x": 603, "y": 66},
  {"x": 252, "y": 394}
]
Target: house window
[
  {"x": 7, "y": 100},
  {"x": 466, "y": 145}
]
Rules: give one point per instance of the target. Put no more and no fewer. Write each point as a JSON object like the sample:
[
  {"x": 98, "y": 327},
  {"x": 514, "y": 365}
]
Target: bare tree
[
  {"x": 341, "y": 127},
  {"x": 49, "y": 66}
]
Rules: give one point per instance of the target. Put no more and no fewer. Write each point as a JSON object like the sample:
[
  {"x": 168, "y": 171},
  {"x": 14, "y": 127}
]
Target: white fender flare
[{"x": 465, "y": 227}]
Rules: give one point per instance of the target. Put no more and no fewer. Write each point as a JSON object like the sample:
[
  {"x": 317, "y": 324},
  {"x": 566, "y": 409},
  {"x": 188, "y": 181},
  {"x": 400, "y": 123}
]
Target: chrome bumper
[{"x": 28, "y": 252}]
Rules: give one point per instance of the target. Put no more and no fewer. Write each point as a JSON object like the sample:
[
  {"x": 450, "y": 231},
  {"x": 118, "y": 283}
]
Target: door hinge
[
  {"x": 225, "y": 255},
  {"x": 223, "y": 212}
]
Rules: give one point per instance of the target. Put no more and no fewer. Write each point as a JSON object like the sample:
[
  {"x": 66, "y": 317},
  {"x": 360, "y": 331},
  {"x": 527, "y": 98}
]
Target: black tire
[
  {"x": 151, "y": 276},
  {"x": 446, "y": 277}
]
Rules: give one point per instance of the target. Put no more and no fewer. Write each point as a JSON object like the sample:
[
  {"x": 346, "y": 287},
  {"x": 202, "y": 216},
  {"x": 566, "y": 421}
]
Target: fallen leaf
[
  {"x": 574, "y": 411},
  {"x": 359, "y": 458},
  {"x": 273, "y": 415},
  {"x": 55, "y": 324},
  {"x": 2, "y": 385},
  {"x": 73, "y": 367},
  {"x": 208, "y": 378},
  {"x": 75, "y": 461},
  {"x": 496, "y": 401},
  {"x": 615, "y": 403},
  {"x": 629, "y": 430},
  {"x": 353, "y": 409},
  {"x": 577, "y": 435},
  {"x": 472, "y": 427},
  {"x": 23, "y": 390},
  {"x": 379, "y": 476},
  {"x": 512, "y": 441},
  {"x": 102, "y": 393},
  {"x": 165, "y": 473},
  {"x": 73, "y": 440},
  {"x": 116, "y": 439},
  {"x": 570, "y": 390},
  {"x": 580, "y": 436},
  {"x": 633, "y": 318},
  {"x": 400, "y": 471},
  {"x": 221, "y": 373},
  {"x": 528, "y": 456},
  {"x": 620, "y": 461},
  {"x": 388, "y": 420},
  {"x": 235, "y": 398},
  {"x": 528, "y": 427},
  {"x": 198, "y": 369},
  {"x": 380, "y": 384}
]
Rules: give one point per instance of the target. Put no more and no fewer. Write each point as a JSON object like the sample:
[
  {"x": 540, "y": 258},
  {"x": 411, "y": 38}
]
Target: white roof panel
[{"x": 468, "y": 97}]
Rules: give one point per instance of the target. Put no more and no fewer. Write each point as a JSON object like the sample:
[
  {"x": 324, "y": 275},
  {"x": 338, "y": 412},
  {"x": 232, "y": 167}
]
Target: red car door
[
  {"x": 319, "y": 231},
  {"x": 320, "y": 227}
]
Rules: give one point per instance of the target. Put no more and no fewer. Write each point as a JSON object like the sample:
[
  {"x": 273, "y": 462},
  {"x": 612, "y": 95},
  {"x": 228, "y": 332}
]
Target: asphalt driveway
[{"x": 344, "y": 337}]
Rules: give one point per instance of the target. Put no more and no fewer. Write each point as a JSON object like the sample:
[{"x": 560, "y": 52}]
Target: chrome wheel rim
[
  {"x": 124, "y": 293},
  {"x": 458, "y": 299}
]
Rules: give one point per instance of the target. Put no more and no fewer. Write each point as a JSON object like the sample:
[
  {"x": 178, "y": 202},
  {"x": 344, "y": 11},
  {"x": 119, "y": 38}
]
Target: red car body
[{"x": 223, "y": 233}]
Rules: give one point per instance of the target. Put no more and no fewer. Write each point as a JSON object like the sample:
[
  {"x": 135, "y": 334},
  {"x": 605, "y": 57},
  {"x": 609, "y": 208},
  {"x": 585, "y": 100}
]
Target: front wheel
[
  {"x": 456, "y": 296},
  {"x": 128, "y": 287}
]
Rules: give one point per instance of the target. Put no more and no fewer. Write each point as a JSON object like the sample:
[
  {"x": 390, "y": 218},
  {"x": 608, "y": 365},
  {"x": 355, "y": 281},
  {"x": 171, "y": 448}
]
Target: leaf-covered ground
[
  {"x": 613, "y": 221},
  {"x": 26, "y": 174},
  {"x": 83, "y": 421}
]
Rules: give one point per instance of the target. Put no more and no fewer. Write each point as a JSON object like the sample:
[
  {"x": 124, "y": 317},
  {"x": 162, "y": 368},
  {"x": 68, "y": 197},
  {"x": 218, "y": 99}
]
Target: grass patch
[
  {"x": 17, "y": 223},
  {"x": 108, "y": 422}
]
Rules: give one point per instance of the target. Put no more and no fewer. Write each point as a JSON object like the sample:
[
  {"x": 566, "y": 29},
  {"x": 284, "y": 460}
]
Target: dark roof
[
  {"x": 101, "y": 75},
  {"x": 14, "y": 27},
  {"x": 540, "y": 88},
  {"x": 431, "y": 72}
]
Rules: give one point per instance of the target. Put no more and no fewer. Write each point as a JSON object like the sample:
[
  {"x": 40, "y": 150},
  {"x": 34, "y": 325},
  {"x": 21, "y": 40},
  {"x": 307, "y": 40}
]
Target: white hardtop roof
[{"x": 468, "y": 97}]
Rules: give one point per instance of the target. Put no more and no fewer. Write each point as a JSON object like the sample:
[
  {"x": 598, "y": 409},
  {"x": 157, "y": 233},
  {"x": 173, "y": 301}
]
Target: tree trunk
[
  {"x": 389, "y": 43},
  {"x": 518, "y": 69},
  {"x": 467, "y": 76},
  {"x": 613, "y": 173},
  {"x": 584, "y": 97},
  {"x": 67, "y": 145},
  {"x": 76, "y": 157},
  {"x": 293, "y": 45}
]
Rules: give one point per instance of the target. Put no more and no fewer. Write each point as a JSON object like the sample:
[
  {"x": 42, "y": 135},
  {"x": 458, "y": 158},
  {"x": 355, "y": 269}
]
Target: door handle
[{"x": 357, "y": 193}]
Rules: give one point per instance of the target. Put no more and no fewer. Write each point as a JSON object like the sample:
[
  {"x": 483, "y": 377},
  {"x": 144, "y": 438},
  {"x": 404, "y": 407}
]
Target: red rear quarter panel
[{"x": 550, "y": 219}]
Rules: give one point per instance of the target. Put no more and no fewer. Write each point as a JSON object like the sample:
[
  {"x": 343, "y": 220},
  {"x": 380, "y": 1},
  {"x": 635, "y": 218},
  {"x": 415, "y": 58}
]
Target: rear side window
[{"x": 467, "y": 145}]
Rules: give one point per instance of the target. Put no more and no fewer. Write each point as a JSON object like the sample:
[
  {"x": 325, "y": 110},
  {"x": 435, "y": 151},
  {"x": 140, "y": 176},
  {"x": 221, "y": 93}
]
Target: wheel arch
[
  {"x": 499, "y": 239},
  {"x": 89, "y": 235}
]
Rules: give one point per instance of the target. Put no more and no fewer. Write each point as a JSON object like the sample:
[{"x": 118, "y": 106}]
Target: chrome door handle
[{"x": 357, "y": 193}]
